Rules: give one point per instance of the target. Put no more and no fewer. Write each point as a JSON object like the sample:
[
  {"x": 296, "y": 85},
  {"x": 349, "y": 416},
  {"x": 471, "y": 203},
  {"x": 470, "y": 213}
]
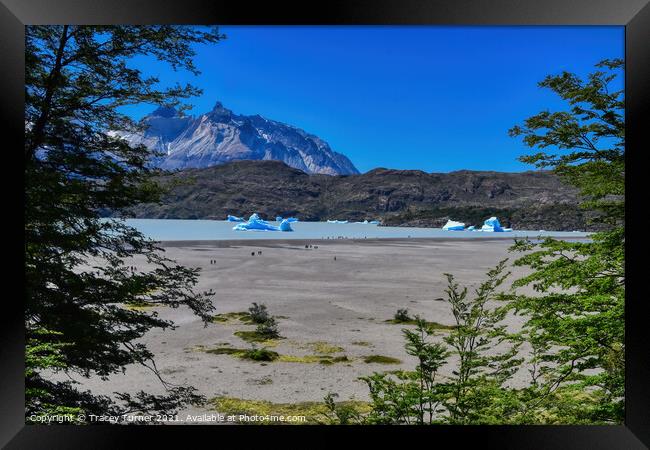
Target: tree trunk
[{"x": 38, "y": 132}]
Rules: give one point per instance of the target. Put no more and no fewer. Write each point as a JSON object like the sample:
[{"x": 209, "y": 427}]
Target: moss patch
[
  {"x": 380, "y": 359},
  {"x": 362, "y": 343},
  {"x": 430, "y": 325},
  {"x": 312, "y": 412},
  {"x": 232, "y": 317}
]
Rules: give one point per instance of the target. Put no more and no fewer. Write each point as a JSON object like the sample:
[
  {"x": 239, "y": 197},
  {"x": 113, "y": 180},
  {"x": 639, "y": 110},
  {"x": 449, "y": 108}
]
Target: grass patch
[
  {"x": 313, "y": 412},
  {"x": 430, "y": 325},
  {"x": 232, "y": 317},
  {"x": 362, "y": 343},
  {"x": 257, "y": 338},
  {"x": 253, "y": 354},
  {"x": 263, "y": 354},
  {"x": 260, "y": 354},
  {"x": 380, "y": 359},
  {"x": 323, "y": 347},
  {"x": 310, "y": 359}
]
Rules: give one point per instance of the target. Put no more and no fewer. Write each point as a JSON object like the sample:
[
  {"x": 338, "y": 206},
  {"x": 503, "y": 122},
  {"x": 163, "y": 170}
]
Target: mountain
[
  {"x": 528, "y": 200},
  {"x": 220, "y": 136}
]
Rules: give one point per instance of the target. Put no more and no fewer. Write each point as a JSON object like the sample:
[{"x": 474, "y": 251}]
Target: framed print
[{"x": 365, "y": 217}]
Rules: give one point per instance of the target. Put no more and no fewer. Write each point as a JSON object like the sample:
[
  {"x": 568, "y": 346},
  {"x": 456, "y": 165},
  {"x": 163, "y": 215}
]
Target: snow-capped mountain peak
[{"x": 220, "y": 136}]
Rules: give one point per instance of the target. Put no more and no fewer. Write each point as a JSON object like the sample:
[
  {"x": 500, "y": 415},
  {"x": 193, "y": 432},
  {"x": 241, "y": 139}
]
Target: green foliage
[
  {"x": 381, "y": 359},
  {"x": 261, "y": 354},
  {"x": 258, "y": 313},
  {"x": 475, "y": 393},
  {"x": 342, "y": 413},
  {"x": 588, "y": 141},
  {"x": 78, "y": 268},
  {"x": 402, "y": 315},
  {"x": 268, "y": 329},
  {"x": 576, "y": 319}
]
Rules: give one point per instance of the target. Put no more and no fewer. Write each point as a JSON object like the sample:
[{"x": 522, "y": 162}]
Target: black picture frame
[{"x": 633, "y": 14}]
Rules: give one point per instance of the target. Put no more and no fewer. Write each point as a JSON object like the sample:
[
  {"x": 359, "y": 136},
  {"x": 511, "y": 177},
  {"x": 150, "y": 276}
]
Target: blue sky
[{"x": 436, "y": 99}]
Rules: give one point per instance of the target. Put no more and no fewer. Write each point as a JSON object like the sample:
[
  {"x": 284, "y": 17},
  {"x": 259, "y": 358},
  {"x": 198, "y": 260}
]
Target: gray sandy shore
[{"x": 343, "y": 303}]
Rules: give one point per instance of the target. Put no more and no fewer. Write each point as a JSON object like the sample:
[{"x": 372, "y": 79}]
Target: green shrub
[
  {"x": 268, "y": 329},
  {"x": 259, "y": 313},
  {"x": 260, "y": 354},
  {"x": 402, "y": 315}
]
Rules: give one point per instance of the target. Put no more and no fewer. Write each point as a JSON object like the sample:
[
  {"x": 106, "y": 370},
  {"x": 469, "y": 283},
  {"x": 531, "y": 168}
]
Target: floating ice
[
  {"x": 278, "y": 219},
  {"x": 255, "y": 223},
  {"x": 234, "y": 219},
  {"x": 452, "y": 225},
  {"x": 337, "y": 221},
  {"x": 374, "y": 222},
  {"x": 493, "y": 225},
  {"x": 471, "y": 228},
  {"x": 285, "y": 225},
  {"x": 290, "y": 219}
]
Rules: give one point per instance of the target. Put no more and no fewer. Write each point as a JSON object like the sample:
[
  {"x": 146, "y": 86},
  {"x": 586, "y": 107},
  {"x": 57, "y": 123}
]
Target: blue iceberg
[
  {"x": 452, "y": 225},
  {"x": 278, "y": 219},
  {"x": 471, "y": 228},
  {"x": 492, "y": 225},
  {"x": 291, "y": 219},
  {"x": 285, "y": 225},
  {"x": 374, "y": 222},
  {"x": 255, "y": 223},
  {"x": 234, "y": 219}
]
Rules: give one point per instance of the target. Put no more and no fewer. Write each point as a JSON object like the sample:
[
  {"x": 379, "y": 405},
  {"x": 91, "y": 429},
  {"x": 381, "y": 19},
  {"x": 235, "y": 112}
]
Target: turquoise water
[{"x": 187, "y": 230}]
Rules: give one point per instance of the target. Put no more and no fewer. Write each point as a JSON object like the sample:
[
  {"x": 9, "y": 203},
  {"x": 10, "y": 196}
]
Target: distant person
[{"x": 252, "y": 253}]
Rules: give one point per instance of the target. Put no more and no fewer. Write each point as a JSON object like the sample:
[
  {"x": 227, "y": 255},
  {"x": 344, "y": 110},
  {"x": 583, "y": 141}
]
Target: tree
[
  {"x": 476, "y": 392},
  {"x": 576, "y": 320},
  {"x": 79, "y": 268}
]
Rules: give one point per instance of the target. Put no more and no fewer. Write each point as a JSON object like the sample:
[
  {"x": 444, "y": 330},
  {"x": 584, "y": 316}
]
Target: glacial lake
[{"x": 208, "y": 230}]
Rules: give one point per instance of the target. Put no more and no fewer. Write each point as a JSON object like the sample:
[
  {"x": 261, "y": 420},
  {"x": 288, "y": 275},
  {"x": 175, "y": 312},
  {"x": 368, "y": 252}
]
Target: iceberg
[
  {"x": 234, "y": 219},
  {"x": 471, "y": 228},
  {"x": 278, "y": 219},
  {"x": 374, "y": 222},
  {"x": 285, "y": 225},
  {"x": 255, "y": 223},
  {"x": 337, "y": 221},
  {"x": 452, "y": 225},
  {"x": 493, "y": 225}
]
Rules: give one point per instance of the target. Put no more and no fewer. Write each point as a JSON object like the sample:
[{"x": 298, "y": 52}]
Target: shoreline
[{"x": 275, "y": 242}]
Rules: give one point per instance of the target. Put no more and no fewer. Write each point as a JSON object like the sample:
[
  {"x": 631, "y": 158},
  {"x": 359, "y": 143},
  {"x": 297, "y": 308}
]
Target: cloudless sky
[{"x": 432, "y": 98}]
